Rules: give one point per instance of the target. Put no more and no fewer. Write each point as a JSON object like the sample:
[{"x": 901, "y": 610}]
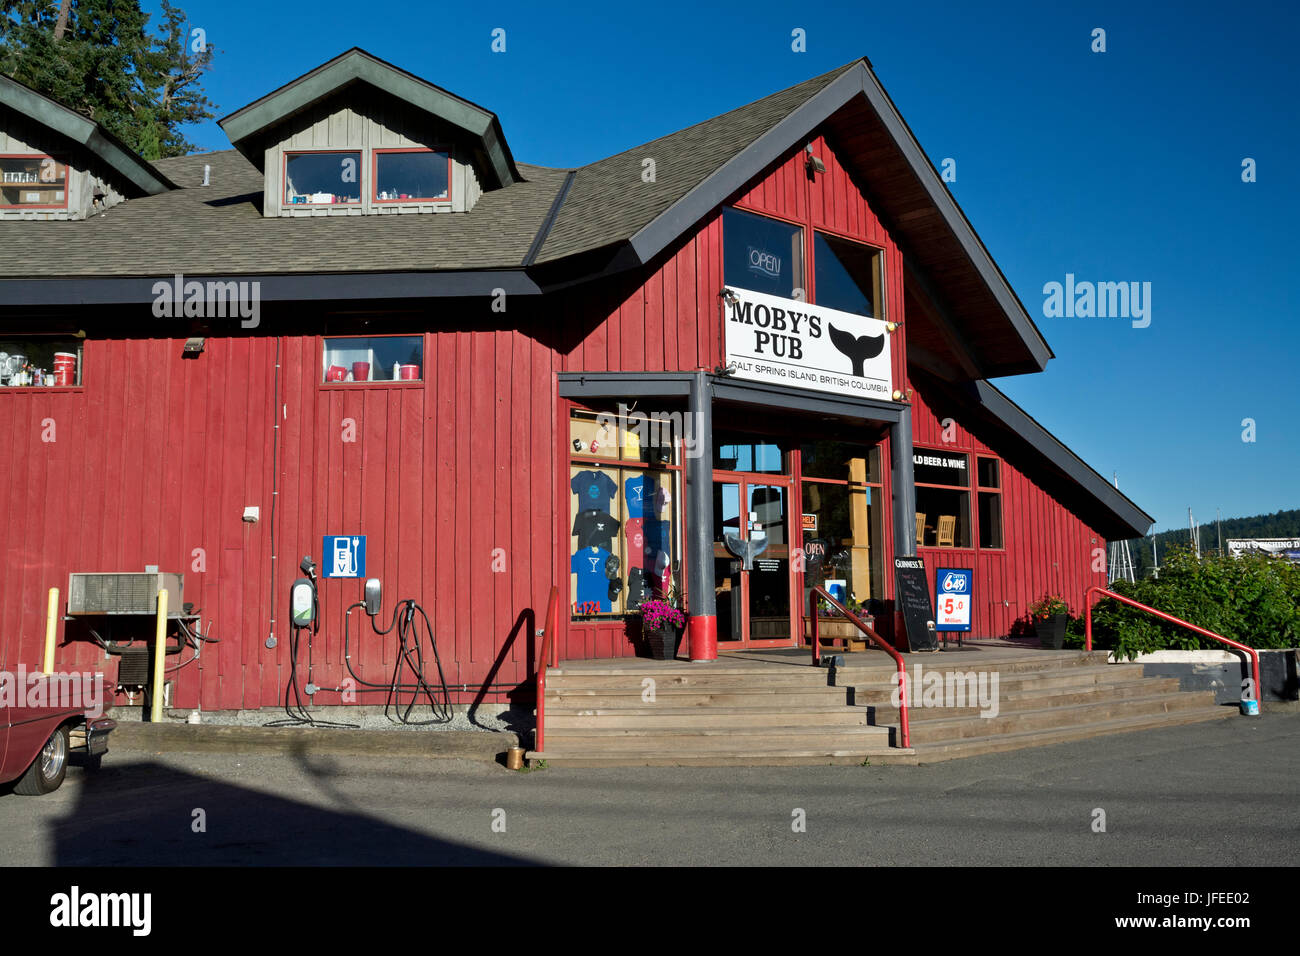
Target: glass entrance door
[{"x": 751, "y": 519}]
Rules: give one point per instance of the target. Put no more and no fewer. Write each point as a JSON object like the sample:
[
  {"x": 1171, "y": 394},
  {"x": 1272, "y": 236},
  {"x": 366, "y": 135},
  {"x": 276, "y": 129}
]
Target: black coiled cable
[{"x": 410, "y": 653}]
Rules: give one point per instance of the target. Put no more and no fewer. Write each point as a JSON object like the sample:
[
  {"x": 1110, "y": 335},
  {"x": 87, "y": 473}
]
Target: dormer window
[
  {"x": 33, "y": 181},
  {"x": 412, "y": 175},
  {"x": 322, "y": 178}
]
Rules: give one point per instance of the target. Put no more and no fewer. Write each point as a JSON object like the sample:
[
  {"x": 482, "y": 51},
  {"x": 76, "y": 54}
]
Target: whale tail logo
[{"x": 858, "y": 348}]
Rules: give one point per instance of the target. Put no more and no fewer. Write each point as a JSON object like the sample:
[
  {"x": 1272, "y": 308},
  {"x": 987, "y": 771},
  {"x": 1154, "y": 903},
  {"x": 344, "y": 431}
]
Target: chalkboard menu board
[{"x": 914, "y": 601}]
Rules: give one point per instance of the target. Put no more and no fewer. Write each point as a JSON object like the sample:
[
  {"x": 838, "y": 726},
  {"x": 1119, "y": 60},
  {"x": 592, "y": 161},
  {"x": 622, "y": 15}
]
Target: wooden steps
[
  {"x": 742, "y": 711},
  {"x": 719, "y": 714}
]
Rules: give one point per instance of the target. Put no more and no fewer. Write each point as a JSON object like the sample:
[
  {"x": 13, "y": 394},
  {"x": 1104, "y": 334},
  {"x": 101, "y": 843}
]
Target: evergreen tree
[{"x": 140, "y": 86}]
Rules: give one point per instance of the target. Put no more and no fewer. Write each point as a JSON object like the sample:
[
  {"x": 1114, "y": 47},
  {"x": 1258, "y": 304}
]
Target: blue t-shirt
[
  {"x": 641, "y": 492},
  {"x": 656, "y": 536},
  {"x": 593, "y": 586},
  {"x": 594, "y": 489}
]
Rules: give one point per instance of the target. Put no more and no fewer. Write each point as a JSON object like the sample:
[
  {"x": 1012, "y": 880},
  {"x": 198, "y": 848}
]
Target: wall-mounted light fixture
[
  {"x": 813, "y": 164},
  {"x": 193, "y": 347}
]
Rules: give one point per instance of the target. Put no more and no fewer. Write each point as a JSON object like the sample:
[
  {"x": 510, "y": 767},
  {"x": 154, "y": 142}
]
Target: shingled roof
[
  {"x": 220, "y": 230},
  {"x": 538, "y": 232},
  {"x": 609, "y": 202}
]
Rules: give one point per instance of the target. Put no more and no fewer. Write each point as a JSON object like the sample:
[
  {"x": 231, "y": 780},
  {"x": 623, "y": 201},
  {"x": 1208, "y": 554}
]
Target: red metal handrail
[
  {"x": 1087, "y": 626},
  {"x": 885, "y": 645},
  {"x": 548, "y": 656}
]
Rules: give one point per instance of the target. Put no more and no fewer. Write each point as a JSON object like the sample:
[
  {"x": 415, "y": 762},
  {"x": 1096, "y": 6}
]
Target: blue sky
[{"x": 1117, "y": 166}]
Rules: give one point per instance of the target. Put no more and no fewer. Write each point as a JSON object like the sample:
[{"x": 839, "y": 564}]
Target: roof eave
[
  {"x": 858, "y": 80},
  {"x": 84, "y": 132},
  {"x": 1125, "y": 512},
  {"x": 357, "y": 66}
]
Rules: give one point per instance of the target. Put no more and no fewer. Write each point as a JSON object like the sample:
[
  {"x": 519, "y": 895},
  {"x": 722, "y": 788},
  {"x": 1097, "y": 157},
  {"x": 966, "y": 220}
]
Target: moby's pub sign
[{"x": 792, "y": 343}]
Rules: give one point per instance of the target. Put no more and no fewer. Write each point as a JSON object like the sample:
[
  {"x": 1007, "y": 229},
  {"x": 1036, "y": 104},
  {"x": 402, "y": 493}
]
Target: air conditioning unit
[{"x": 127, "y": 593}]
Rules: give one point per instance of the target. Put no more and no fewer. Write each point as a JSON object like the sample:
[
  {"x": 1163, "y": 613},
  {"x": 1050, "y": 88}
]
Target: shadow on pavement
[{"x": 142, "y": 813}]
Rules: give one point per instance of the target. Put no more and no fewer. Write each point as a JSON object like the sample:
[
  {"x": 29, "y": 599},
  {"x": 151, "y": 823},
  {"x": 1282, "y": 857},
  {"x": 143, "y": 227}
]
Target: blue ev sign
[
  {"x": 344, "y": 556},
  {"x": 952, "y": 598}
]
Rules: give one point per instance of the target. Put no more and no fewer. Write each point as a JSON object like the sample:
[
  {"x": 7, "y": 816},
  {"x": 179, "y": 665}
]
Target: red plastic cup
[
  {"x": 360, "y": 371},
  {"x": 408, "y": 372}
]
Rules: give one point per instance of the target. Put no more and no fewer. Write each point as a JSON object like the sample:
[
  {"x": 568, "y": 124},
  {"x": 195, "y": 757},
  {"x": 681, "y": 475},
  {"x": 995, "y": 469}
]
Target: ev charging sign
[
  {"x": 952, "y": 598},
  {"x": 344, "y": 556}
]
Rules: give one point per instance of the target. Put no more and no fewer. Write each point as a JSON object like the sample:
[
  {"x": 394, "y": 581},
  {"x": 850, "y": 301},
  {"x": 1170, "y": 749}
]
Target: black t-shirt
[
  {"x": 595, "y": 529},
  {"x": 638, "y": 588}
]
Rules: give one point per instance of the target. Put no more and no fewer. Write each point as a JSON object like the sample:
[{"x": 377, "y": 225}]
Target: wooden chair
[
  {"x": 920, "y": 528},
  {"x": 947, "y": 531}
]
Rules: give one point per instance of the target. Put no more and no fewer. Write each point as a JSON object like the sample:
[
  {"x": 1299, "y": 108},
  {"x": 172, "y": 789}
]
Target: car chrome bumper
[{"x": 97, "y": 732}]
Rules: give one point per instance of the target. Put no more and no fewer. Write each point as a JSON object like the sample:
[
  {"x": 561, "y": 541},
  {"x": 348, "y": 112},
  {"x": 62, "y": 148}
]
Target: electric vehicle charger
[
  {"x": 304, "y": 605},
  {"x": 406, "y": 617},
  {"x": 406, "y": 622}
]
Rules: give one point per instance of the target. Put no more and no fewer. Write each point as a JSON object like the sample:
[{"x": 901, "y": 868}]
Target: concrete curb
[{"x": 200, "y": 738}]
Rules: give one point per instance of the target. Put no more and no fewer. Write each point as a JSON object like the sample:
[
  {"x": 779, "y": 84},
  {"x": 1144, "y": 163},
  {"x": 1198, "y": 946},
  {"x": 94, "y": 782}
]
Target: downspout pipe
[{"x": 702, "y": 624}]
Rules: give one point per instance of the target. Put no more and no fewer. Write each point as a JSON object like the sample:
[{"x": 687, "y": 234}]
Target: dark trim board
[
  {"x": 652, "y": 238},
  {"x": 307, "y": 287},
  {"x": 25, "y": 101},
  {"x": 1050, "y": 447},
  {"x": 802, "y": 400},
  {"x": 583, "y": 385},
  {"x": 247, "y": 125}
]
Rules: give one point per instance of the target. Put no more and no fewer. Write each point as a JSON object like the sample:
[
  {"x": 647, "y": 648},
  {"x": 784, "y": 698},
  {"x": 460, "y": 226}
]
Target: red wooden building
[{"x": 368, "y": 321}]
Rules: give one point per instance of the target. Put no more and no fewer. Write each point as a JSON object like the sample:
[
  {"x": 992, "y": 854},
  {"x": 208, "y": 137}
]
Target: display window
[
  {"x": 762, "y": 254},
  {"x": 943, "y": 485},
  {"x": 33, "y": 181},
  {"x": 374, "y": 358},
  {"x": 40, "y": 361},
  {"x": 624, "y": 513},
  {"x": 323, "y": 178},
  {"x": 840, "y": 520},
  {"x": 765, "y": 454},
  {"x": 989, "y": 477},
  {"x": 411, "y": 175},
  {"x": 847, "y": 275}
]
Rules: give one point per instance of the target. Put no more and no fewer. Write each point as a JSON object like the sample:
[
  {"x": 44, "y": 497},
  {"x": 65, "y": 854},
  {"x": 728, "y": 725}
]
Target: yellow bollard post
[
  {"x": 159, "y": 659},
  {"x": 51, "y": 625}
]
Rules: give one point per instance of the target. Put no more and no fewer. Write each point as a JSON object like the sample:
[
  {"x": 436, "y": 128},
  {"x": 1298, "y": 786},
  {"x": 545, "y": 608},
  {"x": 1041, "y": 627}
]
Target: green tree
[{"x": 141, "y": 86}]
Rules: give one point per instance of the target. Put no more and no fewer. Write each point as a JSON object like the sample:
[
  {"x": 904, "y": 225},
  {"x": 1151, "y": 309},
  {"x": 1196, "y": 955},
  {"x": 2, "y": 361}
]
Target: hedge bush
[{"x": 1253, "y": 599}]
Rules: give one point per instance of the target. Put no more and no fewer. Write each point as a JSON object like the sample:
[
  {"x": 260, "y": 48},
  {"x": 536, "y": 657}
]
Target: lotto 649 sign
[{"x": 952, "y": 598}]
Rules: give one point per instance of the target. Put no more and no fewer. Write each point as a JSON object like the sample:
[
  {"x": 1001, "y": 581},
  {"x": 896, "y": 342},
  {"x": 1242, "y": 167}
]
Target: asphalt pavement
[{"x": 1214, "y": 794}]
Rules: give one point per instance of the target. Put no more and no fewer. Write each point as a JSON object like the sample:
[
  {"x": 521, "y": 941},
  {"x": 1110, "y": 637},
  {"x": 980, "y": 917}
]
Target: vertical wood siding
[{"x": 156, "y": 458}]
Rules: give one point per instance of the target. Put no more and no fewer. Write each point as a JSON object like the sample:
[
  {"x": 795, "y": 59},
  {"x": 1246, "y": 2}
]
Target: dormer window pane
[
  {"x": 411, "y": 175},
  {"x": 322, "y": 179},
  {"x": 33, "y": 180}
]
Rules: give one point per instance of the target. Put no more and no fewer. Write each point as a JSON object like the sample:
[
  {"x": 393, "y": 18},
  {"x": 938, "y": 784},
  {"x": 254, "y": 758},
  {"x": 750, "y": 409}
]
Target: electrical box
[{"x": 124, "y": 593}]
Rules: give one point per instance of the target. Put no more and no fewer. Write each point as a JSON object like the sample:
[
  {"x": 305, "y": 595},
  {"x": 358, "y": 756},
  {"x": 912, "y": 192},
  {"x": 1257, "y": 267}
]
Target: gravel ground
[{"x": 486, "y": 719}]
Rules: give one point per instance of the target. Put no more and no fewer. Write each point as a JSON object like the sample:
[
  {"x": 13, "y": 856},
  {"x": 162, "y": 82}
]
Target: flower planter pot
[
  {"x": 831, "y": 629},
  {"x": 662, "y": 643},
  {"x": 1051, "y": 630}
]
